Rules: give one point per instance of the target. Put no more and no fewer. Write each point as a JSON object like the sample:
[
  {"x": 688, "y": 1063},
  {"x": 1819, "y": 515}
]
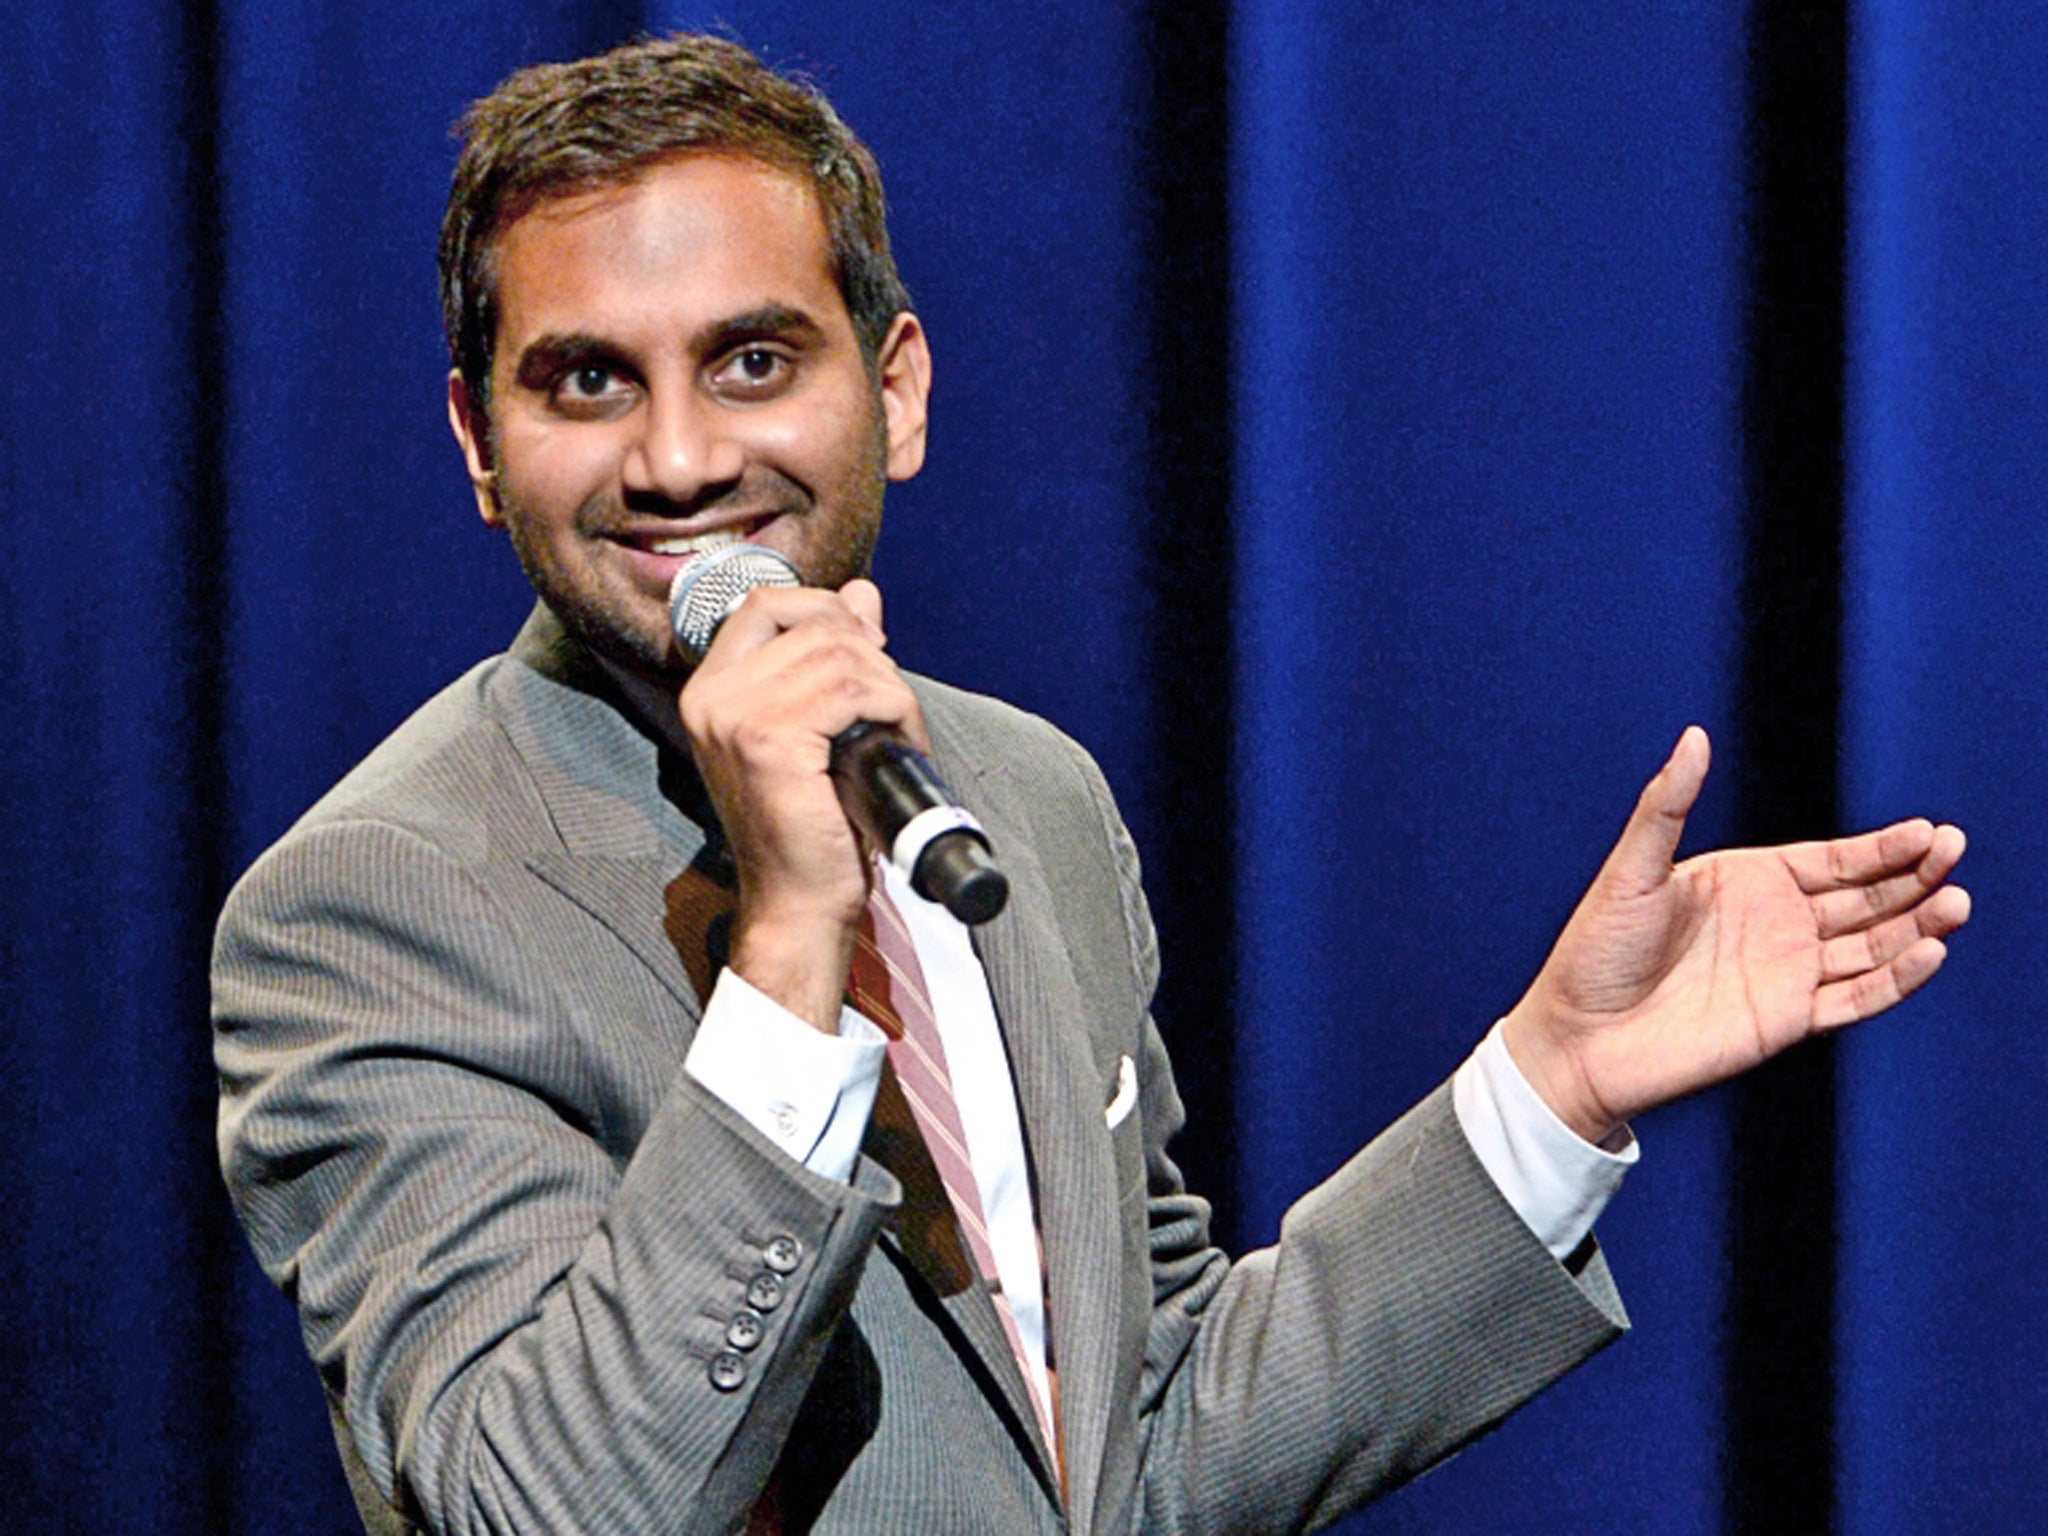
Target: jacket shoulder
[
  {"x": 441, "y": 774},
  {"x": 979, "y": 734}
]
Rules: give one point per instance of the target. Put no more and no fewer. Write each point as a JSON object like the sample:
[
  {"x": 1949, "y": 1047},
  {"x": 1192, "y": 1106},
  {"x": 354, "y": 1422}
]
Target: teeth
[{"x": 696, "y": 545}]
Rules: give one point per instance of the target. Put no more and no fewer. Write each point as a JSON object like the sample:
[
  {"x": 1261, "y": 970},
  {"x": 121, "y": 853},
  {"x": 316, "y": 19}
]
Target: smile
[
  {"x": 654, "y": 555},
  {"x": 694, "y": 544},
  {"x": 653, "y": 541}
]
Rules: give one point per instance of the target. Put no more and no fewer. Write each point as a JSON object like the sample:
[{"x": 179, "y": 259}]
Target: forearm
[
  {"x": 624, "y": 1401},
  {"x": 1405, "y": 1310}
]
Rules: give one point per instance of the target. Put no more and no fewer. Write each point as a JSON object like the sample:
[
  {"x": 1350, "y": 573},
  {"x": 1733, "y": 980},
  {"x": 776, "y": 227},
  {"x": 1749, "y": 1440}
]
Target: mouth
[
  {"x": 655, "y": 555},
  {"x": 654, "y": 541},
  {"x": 686, "y": 545}
]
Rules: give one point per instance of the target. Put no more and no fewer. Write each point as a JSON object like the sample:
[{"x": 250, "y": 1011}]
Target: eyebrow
[{"x": 765, "y": 320}]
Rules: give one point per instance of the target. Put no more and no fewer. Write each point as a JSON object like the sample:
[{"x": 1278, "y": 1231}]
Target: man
[{"x": 541, "y": 1091}]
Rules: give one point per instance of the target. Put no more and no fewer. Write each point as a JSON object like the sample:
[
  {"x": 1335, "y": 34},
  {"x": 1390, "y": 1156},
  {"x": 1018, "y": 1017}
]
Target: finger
[
  {"x": 1861, "y": 907},
  {"x": 1847, "y": 861},
  {"x": 1852, "y": 954},
  {"x": 1642, "y": 856},
  {"x": 864, "y": 682},
  {"x": 1943, "y": 854},
  {"x": 865, "y": 599},
  {"x": 1861, "y": 997},
  {"x": 784, "y": 643},
  {"x": 834, "y": 661},
  {"x": 850, "y": 681},
  {"x": 817, "y": 678},
  {"x": 766, "y": 612}
]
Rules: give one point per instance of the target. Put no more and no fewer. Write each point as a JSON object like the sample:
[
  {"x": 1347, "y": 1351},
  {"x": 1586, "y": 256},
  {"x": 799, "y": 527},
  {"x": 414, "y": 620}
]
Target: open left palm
[{"x": 1671, "y": 978}]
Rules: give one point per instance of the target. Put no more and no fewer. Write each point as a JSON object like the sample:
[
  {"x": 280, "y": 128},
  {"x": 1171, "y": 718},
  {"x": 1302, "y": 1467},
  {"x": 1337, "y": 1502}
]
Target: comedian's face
[{"x": 675, "y": 368}]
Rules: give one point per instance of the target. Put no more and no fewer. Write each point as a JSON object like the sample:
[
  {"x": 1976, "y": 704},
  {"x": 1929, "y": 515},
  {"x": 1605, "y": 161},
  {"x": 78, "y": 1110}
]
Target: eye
[
  {"x": 590, "y": 389},
  {"x": 752, "y": 373}
]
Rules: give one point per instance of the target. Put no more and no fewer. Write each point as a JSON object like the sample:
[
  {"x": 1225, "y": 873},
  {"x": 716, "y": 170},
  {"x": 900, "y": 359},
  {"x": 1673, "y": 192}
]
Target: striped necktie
[{"x": 886, "y": 983}]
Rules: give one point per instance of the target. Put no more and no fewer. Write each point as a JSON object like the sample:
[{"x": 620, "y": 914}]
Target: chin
[{"x": 638, "y": 643}]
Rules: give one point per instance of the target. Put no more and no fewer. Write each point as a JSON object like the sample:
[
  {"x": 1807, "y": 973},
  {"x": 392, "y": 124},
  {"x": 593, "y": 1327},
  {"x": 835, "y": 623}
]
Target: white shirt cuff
[
  {"x": 1557, "y": 1181},
  {"x": 808, "y": 1092}
]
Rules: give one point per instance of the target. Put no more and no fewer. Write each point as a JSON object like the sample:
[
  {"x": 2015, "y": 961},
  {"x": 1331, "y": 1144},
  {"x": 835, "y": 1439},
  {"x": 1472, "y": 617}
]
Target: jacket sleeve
[
  {"x": 524, "y": 1314},
  {"x": 1405, "y": 1310}
]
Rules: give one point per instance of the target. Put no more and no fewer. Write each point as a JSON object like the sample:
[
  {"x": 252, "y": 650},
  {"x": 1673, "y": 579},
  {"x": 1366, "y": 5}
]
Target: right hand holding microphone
[{"x": 787, "y": 671}]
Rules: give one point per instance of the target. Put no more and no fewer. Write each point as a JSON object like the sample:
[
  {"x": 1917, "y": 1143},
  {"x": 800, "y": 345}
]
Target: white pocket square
[{"x": 1119, "y": 1108}]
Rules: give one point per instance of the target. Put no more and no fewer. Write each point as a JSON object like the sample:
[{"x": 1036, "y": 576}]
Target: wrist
[
  {"x": 1553, "y": 1070},
  {"x": 798, "y": 961}
]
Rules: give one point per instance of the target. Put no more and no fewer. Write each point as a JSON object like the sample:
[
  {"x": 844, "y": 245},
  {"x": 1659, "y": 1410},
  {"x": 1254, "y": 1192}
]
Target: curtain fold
[{"x": 1488, "y": 499}]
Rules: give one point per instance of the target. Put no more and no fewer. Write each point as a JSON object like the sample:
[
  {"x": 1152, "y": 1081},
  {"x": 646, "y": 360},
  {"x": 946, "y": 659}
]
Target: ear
[
  {"x": 905, "y": 366},
  {"x": 473, "y": 432}
]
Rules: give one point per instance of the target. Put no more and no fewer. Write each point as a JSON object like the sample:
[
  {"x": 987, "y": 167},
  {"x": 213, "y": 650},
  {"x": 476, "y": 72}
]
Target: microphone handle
[{"x": 891, "y": 793}]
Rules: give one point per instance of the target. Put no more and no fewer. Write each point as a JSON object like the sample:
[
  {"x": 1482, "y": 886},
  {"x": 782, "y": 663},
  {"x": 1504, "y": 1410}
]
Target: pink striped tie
[{"x": 887, "y": 984}]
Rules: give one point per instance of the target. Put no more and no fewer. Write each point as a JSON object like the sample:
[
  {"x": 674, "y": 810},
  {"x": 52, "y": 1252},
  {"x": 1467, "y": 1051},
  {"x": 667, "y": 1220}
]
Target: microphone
[{"x": 886, "y": 786}]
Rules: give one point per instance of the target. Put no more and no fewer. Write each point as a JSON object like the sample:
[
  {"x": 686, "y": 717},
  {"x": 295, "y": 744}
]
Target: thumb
[
  {"x": 865, "y": 599},
  {"x": 1642, "y": 857}
]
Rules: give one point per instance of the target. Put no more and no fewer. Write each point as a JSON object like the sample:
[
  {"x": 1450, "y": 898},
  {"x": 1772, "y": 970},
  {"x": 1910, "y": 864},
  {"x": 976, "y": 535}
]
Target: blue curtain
[
  {"x": 1339, "y": 427},
  {"x": 1944, "y": 1377}
]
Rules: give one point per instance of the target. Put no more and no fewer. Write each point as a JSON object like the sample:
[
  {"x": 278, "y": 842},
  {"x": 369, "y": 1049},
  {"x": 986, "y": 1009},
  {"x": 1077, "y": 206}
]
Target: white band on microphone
[{"x": 919, "y": 831}]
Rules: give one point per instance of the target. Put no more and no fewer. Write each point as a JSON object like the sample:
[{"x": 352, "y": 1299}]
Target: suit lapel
[
  {"x": 1059, "y": 1093},
  {"x": 925, "y": 1236},
  {"x": 623, "y": 850}
]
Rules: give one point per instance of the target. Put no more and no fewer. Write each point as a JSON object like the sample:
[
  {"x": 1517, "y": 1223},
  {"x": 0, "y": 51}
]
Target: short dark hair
[{"x": 560, "y": 128}]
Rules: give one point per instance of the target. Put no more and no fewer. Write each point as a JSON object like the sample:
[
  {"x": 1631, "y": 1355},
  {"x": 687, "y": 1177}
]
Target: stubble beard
[{"x": 606, "y": 615}]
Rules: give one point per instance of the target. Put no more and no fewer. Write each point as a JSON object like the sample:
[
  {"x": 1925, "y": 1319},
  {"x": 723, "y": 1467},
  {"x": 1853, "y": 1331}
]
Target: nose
[{"x": 684, "y": 451}]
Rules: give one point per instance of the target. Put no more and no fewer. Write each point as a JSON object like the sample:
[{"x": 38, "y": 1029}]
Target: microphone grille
[{"x": 705, "y": 591}]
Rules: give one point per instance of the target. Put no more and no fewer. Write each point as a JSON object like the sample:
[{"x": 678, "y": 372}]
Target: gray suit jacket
[{"x": 450, "y": 1019}]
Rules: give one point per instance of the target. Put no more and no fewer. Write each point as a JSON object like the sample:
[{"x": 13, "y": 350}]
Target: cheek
[
  {"x": 553, "y": 473},
  {"x": 827, "y": 437},
  {"x": 790, "y": 440}
]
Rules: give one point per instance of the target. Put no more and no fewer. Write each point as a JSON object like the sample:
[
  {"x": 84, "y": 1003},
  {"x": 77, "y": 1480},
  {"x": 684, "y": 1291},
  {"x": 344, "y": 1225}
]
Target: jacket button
[
  {"x": 728, "y": 1371},
  {"x": 783, "y": 1254},
  {"x": 764, "y": 1292},
  {"x": 745, "y": 1330}
]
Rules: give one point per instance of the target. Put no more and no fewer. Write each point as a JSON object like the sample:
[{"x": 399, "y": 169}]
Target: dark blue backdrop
[{"x": 1474, "y": 557}]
